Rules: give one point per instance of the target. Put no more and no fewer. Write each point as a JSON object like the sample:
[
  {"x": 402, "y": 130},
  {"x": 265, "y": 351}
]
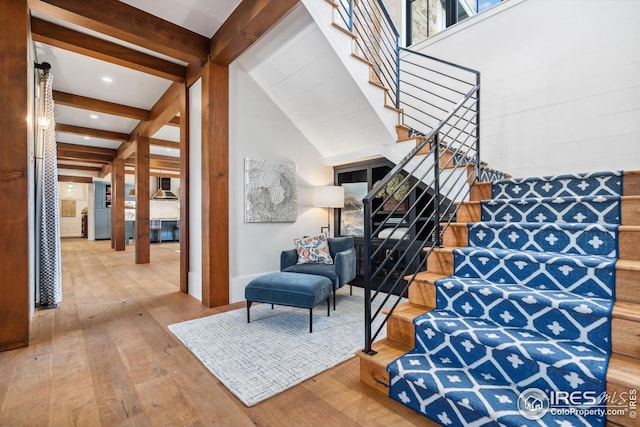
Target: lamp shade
[{"x": 329, "y": 196}]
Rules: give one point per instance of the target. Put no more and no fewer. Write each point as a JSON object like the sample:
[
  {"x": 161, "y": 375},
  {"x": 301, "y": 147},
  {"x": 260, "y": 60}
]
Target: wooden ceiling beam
[
  {"x": 246, "y": 24},
  {"x": 80, "y": 156},
  {"x": 161, "y": 113},
  {"x": 164, "y": 143},
  {"x": 124, "y": 22},
  {"x": 175, "y": 121},
  {"x": 77, "y": 179},
  {"x": 92, "y": 104},
  {"x": 86, "y": 149},
  {"x": 106, "y": 170},
  {"x": 95, "y": 133},
  {"x": 164, "y": 173},
  {"x": 79, "y": 167},
  {"x": 84, "y": 44}
]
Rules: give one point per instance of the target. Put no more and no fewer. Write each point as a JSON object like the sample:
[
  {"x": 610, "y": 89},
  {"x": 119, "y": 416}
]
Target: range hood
[{"x": 164, "y": 190}]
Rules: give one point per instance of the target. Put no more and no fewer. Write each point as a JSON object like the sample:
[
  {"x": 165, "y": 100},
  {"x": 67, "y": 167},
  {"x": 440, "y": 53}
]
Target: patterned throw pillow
[{"x": 313, "y": 249}]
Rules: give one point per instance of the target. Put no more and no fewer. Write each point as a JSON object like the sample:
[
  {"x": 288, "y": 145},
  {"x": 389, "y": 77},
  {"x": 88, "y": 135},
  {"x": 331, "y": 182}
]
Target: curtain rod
[{"x": 45, "y": 66}]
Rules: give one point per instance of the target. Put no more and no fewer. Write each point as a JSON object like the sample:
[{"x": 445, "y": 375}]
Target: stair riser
[
  {"x": 440, "y": 262},
  {"x": 628, "y": 241},
  {"x": 631, "y": 184},
  {"x": 629, "y": 245},
  {"x": 422, "y": 293},
  {"x": 627, "y": 285},
  {"x": 470, "y": 212},
  {"x": 374, "y": 375},
  {"x": 630, "y": 211},
  {"x": 480, "y": 191},
  {"x": 618, "y": 390},
  {"x": 625, "y": 337},
  {"x": 401, "y": 330},
  {"x": 567, "y": 211}
]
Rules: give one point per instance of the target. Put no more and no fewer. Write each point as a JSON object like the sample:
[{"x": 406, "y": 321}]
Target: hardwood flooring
[{"x": 106, "y": 358}]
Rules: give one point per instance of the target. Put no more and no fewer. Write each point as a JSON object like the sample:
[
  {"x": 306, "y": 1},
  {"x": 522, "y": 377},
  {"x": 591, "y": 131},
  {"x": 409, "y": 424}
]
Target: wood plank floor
[{"x": 106, "y": 358}]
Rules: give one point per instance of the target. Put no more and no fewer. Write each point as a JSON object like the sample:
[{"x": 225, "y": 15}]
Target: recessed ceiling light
[
  {"x": 107, "y": 79},
  {"x": 87, "y": 138},
  {"x": 93, "y": 116}
]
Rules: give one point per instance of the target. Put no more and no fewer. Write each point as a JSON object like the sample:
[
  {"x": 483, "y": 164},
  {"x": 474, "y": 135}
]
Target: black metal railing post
[
  {"x": 367, "y": 277},
  {"x": 478, "y": 164},
  {"x": 436, "y": 188}
]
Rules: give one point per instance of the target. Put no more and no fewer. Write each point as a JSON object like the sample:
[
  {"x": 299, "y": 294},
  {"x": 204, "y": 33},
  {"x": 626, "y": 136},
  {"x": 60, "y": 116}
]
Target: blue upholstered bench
[{"x": 292, "y": 289}]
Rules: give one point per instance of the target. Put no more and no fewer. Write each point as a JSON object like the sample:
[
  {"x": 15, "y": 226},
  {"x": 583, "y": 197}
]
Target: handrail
[{"x": 439, "y": 100}]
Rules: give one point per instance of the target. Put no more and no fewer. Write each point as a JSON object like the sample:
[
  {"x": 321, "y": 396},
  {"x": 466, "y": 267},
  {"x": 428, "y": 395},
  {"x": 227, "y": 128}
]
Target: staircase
[{"x": 515, "y": 301}]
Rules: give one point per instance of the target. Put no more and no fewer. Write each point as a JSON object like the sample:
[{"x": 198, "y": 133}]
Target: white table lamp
[{"x": 329, "y": 196}]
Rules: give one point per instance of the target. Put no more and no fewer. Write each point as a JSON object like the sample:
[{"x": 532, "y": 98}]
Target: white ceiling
[
  {"x": 200, "y": 16},
  {"x": 82, "y": 75}
]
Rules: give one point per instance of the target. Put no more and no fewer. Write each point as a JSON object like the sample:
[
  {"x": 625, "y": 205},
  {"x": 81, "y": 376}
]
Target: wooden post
[
  {"x": 215, "y": 185},
  {"x": 14, "y": 166},
  {"x": 117, "y": 205},
  {"x": 184, "y": 189},
  {"x": 143, "y": 250}
]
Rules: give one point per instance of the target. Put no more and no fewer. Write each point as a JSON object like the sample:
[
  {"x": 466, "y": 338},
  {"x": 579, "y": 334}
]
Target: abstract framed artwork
[{"x": 270, "y": 193}]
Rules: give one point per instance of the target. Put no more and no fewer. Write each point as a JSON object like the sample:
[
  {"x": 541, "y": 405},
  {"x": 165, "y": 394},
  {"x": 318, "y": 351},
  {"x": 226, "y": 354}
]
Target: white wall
[
  {"x": 260, "y": 130},
  {"x": 195, "y": 191},
  {"x": 560, "y": 83},
  {"x": 72, "y": 226}
]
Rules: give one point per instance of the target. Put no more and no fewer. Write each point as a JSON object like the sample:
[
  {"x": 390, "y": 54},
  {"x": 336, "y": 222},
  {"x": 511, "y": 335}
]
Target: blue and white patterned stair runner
[{"x": 529, "y": 306}]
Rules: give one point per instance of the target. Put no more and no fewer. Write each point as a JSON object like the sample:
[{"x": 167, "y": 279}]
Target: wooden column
[
  {"x": 14, "y": 165},
  {"x": 215, "y": 185},
  {"x": 143, "y": 253},
  {"x": 117, "y": 205},
  {"x": 184, "y": 189}
]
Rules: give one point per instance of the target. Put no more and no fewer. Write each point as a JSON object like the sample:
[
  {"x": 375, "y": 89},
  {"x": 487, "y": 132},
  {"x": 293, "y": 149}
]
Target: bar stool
[
  {"x": 156, "y": 225},
  {"x": 176, "y": 231}
]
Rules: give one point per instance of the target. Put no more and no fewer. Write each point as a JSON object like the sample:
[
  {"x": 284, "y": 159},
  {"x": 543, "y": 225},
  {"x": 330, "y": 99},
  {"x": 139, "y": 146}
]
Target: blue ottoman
[{"x": 292, "y": 289}]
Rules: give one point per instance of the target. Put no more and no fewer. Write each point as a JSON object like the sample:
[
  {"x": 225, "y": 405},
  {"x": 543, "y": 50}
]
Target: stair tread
[
  {"x": 626, "y": 310},
  {"x": 408, "y": 311},
  {"x": 387, "y": 351},
  {"x": 623, "y": 370},
  {"x": 427, "y": 276},
  {"x": 628, "y": 264}
]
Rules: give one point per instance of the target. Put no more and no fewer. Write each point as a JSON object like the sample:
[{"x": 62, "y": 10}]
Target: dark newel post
[{"x": 367, "y": 276}]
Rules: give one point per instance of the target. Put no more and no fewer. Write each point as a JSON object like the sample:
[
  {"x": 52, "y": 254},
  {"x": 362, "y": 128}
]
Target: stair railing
[{"x": 406, "y": 212}]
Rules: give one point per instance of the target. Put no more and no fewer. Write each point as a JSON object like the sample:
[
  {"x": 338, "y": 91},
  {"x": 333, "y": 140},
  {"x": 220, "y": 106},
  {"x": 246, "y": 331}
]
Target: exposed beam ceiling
[
  {"x": 74, "y": 41},
  {"x": 132, "y": 25},
  {"x": 92, "y": 104}
]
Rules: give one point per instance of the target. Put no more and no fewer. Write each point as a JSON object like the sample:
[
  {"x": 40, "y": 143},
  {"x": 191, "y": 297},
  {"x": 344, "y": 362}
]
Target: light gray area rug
[{"x": 274, "y": 352}]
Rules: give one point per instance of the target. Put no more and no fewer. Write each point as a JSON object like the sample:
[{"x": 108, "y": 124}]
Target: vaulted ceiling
[{"x": 118, "y": 68}]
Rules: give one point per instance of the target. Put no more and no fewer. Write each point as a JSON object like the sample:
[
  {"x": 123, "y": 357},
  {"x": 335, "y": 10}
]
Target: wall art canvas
[
  {"x": 270, "y": 191},
  {"x": 68, "y": 208},
  {"x": 352, "y": 215}
]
